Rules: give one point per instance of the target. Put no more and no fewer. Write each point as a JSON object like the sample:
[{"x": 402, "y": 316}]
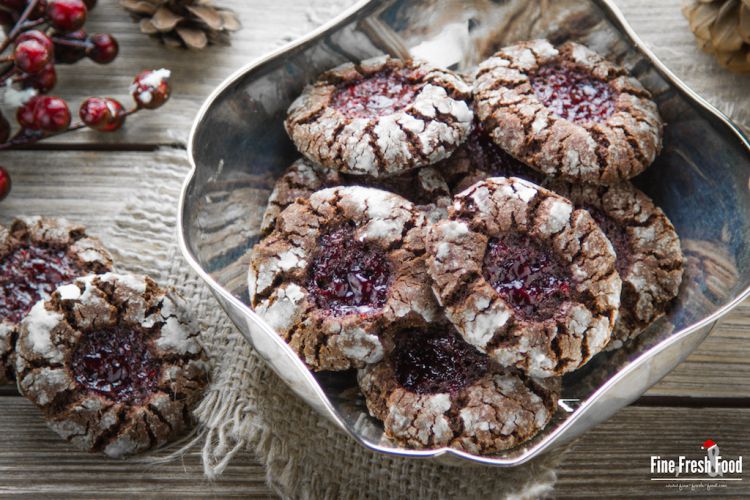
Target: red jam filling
[
  {"x": 572, "y": 94},
  {"x": 348, "y": 275},
  {"x": 616, "y": 234},
  {"x": 30, "y": 273},
  {"x": 434, "y": 361},
  {"x": 528, "y": 277},
  {"x": 116, "y": 363},
  {"x": 379, "y": 94}
]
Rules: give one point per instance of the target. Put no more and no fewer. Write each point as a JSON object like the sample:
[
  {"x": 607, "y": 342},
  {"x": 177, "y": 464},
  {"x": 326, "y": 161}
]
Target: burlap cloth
[{"x": 249, "y": 408}]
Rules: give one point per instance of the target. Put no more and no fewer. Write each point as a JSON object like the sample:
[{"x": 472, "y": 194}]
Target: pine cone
[
  {"x": 722, "y": 28},
  {"x": 183, "y": 23}
]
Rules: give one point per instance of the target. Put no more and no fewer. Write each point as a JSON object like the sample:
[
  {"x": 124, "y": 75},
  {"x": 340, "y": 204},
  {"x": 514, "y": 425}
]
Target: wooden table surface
[{"x": 707, "y": 396}]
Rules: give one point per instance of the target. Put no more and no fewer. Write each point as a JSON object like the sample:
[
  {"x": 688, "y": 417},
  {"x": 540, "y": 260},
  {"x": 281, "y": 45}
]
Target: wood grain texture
[
  {"x": 34, "y": 462},
  {"x": 610, "y": 460}
]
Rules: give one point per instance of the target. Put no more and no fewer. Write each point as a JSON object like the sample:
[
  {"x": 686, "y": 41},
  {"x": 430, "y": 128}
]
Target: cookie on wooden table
[
  {"x": 338, "y": 268},
  {"x": 381, "y": 117},
  {"x": 113, "y": 363},
  {"x": 524, "y": 276},
  {"x": 433, "y": 389},
  {"x": 36, "y": 256},
  {"x": 568, "y": 112}
]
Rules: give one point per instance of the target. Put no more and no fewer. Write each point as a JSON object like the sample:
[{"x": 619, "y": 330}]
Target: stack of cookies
[{"x": 465, "y": 245}]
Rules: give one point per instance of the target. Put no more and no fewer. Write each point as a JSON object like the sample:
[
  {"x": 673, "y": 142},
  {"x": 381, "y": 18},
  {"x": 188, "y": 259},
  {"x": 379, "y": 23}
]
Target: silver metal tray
[{"x": 238, "y": 147}]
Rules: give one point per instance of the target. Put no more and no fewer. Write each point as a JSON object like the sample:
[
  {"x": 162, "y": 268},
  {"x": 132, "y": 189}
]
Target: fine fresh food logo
[{"x": 711, "y": 467}]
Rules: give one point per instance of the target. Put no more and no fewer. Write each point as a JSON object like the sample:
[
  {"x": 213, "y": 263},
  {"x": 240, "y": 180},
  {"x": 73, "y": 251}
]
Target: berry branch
[{"x": 40, "y": 34}]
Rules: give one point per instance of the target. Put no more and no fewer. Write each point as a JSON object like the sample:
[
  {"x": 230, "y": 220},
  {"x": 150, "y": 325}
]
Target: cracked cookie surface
[
  {"x": 339, "y": 267},
  {"x": 433, "y": 389},
  {"x": 649, "y": 257},
  {"x": 113, "y": 363},
  {"x": 381, "y": 117},
  {"x": 36, "y": 256},
  {"x": 425, "y": 187},
  {"x": 568, "y": 112},
  {"x": 524, "y": 276},
  {"x": 480, "y": 158}
]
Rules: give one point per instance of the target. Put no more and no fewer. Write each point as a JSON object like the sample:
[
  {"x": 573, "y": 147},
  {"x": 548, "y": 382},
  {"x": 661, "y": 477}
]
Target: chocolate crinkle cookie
[
  {"x": 338, "y": 268},
  {"x": 425, "y": 187},
  {"x": 568, "y": 112},
  {"x": 381, "y": 117},
  {"x": 524, "y": 276},
  {"x": 433, "y": 389},
  {"x": 480, "y": 158},
  {"x": 649, "y": 258},
  {"x": 113, "y": 364},
  {"x": 37, "y": 255}
]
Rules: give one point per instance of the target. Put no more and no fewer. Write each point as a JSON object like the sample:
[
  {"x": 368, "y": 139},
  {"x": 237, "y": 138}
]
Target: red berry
[
  {"x": 39, "y": 37},
  {"x": 4, "y": 129},
  {"x": 104, "y": 48},
  {"x": 5, "y": 184},
  {"x": 31, "y": 56},
  {"x": 51, "y": 114},
  {"x": 71, "y": 47},
  {"x": 25, "y": 114},
  {"x": 150, "y": 89},
  {"x": 102, "y": 114},
  {"x": 44, "y": 81},
  {"x": 66, "y": 15}
]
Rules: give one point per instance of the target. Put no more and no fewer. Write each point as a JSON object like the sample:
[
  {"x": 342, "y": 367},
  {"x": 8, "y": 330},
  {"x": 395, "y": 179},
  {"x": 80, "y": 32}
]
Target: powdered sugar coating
[
  {"x": 87, "y": 253},
  {"x": 424, "y": 187},
  {"x": 280, "y": 295},
  {"x": 649, "y": 257},
  {"x": 91, "y": 420},
  {"x": 619, "y": 147},
  {"x": 423, "y": 132},
  {"x": 500, "y": 410},
  {"x": 539, "y": 346}
]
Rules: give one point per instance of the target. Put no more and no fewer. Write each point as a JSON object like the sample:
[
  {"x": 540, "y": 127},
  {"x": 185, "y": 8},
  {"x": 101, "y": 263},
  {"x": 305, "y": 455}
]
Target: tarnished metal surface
[{"x": 238, "y": 147}]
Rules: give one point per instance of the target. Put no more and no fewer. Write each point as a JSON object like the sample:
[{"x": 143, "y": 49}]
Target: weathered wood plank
[
  {"x": 268, "y": 25},
  {"x": 613, "y": 460},
  {"x": 35, "y": 462}
]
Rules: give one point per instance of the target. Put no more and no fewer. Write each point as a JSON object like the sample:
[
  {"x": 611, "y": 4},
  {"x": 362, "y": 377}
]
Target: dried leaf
[
  {"x": 725, "y": 35},
  {"x": 194, "y": 39},
  {"x": 208, "y": 15},
  {"x": 230, "y": 21},
  {"x": 147, "y": 27},
  {"x": 165, "y": 20}
]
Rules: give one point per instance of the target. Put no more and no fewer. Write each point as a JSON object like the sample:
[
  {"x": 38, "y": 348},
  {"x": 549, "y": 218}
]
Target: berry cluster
[{"x": 40, "y": 34}]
